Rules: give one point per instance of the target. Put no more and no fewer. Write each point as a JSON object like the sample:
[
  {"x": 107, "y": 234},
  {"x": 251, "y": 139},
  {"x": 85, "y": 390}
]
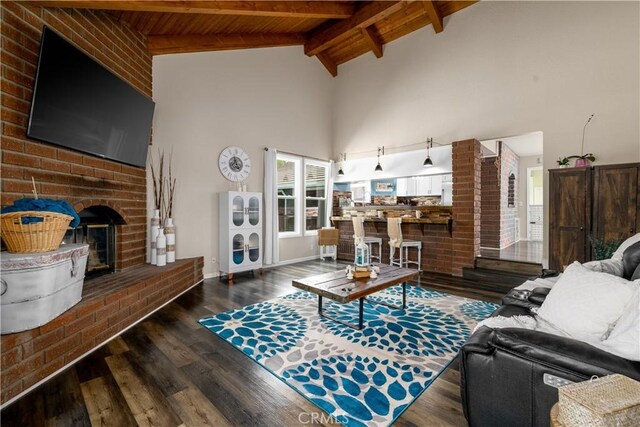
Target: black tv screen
[{"x": 79, "y": 104}]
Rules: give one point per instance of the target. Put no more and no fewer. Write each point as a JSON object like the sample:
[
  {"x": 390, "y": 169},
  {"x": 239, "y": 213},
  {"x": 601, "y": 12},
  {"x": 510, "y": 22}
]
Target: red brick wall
[
  {"x": 435, "y": 238},
  {"x": 490, "y": 207},
  {"x": 467, "y": 161},
  {"x": 83, "y": 180}
]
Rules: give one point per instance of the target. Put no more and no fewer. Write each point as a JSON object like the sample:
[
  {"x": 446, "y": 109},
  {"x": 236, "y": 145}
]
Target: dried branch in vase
[
  {"x": 158, "y": 184},
  {"x": 171, "y": 190}
]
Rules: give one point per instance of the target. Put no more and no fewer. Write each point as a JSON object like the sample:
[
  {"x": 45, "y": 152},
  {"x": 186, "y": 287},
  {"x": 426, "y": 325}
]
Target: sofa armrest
[
  {"x": 561, "y": 353},
  {"x": 502, "y": 374},
  {"x": 479, "y": 342}
]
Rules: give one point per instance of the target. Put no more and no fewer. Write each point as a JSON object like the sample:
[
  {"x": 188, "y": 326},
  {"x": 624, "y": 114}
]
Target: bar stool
[
  {"x": 396, "y": 241},
  {"x": 358, "y": 233},
  {"x": 328, "y": 241}
]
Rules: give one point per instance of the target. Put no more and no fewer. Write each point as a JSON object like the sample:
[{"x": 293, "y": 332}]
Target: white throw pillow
[
  {"x": 610, "y": 266},
  {"x": 630, "y": 241},
  {"x": 585, "y": 304},
  {"x": 624, "y": 340}
]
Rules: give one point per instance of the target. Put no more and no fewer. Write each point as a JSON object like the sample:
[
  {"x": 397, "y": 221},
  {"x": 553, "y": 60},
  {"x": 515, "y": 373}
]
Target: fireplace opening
[{"x": 98, "y": 229}]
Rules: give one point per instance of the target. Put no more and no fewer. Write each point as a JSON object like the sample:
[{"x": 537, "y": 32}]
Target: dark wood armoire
[{"x": 600, "y": 201}]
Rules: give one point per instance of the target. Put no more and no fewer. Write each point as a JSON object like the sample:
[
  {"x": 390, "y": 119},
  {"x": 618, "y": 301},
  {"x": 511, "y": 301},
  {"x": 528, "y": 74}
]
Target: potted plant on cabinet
[
  {"x": 583, "y": 160},
  {"x": 563, "y": 162}
]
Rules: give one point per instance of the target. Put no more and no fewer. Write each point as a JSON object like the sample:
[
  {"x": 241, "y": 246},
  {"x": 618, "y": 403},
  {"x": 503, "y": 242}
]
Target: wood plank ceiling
[{"x": 333, "y": 31}]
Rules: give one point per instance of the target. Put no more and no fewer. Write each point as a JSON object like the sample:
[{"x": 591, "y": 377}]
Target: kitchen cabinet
[
  {"x": 406, "y": 187},
  {"x": 429, "y": 185},
  {"x": 421, "y": 185}
]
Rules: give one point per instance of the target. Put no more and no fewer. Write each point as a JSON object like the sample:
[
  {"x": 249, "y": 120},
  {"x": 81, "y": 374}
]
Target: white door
[{"x": 535, "y": 204}]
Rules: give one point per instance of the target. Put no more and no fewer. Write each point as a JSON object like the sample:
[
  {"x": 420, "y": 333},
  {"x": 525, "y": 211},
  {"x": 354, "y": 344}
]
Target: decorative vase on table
[
  {"x": 153, "y": 235},
  {"x": 161, "y": 247},
  {"x": 170, "y": 234}
]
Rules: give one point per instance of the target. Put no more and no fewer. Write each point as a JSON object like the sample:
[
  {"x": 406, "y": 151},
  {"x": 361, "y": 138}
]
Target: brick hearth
[{"x": 109, "y": 305}]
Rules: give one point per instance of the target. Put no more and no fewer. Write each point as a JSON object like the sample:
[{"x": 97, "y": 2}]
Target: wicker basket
[
  {"x": 328, "y": 237},
  {"x": 42, "y": 236},
  {"x": 613, "y": 400}
]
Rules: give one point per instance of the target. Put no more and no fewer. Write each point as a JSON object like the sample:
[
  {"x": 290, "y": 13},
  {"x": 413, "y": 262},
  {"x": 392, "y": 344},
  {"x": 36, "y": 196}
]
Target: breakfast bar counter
[{"x": 433, "y": 229}]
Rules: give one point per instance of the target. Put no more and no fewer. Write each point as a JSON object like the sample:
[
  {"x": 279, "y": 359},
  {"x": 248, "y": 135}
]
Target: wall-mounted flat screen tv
[{"x": 79, "y": 104}]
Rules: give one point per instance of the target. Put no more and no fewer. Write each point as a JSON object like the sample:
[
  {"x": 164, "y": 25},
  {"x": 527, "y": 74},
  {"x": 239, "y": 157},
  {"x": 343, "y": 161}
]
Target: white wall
[
  {"x": 502, "y": 68},
  {"x": 525, "y": 162},
  {"x": 274, "y": 97}
]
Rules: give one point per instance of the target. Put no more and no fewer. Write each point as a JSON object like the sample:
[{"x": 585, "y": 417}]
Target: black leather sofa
[{"x": 502, "y": 370}]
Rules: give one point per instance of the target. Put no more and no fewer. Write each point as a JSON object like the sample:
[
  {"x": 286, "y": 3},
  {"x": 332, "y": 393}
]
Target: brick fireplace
[
  {"x": 95, "y": 187},
  {"x": 83, "y": 180}
]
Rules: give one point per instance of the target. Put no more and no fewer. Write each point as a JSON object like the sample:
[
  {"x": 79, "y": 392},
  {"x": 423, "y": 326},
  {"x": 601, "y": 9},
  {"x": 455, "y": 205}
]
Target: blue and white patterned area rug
[{"x": 359, "y": 378}]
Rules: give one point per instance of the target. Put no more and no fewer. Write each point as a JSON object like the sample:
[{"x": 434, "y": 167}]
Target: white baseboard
[
  {"x": 285, "y": 262},
  {"x": 293, "y": 261}
]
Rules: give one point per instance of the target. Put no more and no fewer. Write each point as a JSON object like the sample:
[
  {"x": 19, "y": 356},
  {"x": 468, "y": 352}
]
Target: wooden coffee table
[{"x": 337, "y": 287}]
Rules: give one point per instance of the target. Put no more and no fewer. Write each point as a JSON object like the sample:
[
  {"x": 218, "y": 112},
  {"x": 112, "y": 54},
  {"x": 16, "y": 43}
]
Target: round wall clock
[{"x": 234, "y": 164}]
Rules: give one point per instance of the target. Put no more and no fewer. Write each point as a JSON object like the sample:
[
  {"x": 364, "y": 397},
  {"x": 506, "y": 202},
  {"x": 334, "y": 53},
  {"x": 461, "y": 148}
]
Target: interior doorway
[
  {"x": 535, "y": 204},
  {"x": 512, "y": 206}
]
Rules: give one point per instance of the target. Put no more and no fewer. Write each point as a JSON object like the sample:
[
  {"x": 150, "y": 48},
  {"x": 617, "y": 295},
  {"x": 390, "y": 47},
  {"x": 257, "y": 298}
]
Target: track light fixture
[
  {"x": 378, "y": 167},
  {"x": 428, "y": 162},
  {"x": 343, "y": 157}
]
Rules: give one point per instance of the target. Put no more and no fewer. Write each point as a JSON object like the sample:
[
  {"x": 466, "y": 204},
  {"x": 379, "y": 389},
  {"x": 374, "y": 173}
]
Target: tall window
[
  {"x": 315, "y": 189},
  {"x": 302, "y": 195},
  {"x": 288, "y": 191}
]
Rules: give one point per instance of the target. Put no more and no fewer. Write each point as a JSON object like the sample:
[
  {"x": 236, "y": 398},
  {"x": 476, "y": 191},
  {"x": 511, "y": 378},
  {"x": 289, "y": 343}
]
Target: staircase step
[
  {"x": 495, "y": 279},
  {"x": 517, "y": 267}
]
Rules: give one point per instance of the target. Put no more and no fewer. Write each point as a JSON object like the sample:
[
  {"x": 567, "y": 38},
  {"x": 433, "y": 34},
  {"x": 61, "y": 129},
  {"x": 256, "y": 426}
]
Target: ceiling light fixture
[
  {"x": 343, "y": 157},
  {"x": 428, "y": 162},
  {"x": 378, "y": 167}
]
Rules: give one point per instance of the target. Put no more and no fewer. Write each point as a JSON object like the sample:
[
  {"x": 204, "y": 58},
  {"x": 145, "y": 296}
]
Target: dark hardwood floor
[
  {"x": 170, "y": 371},
  {"x": 523, "y": 250}
]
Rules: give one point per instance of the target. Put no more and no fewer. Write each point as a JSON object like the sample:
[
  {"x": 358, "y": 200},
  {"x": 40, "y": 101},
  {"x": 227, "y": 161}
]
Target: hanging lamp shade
[
  {"x": 378, "y": 166},
  {"x": 428, "y": 162}
]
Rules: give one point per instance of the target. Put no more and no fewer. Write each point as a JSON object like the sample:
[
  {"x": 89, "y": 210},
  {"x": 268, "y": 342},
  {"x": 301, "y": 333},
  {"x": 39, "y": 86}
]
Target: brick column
[
  {"x": 467, "y": 168},
  {"x": 490, "y": 207}
]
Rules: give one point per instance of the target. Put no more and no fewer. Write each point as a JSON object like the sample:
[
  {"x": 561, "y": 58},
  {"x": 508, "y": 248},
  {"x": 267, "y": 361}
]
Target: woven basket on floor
[
  {"x": 42, "y": 236},
  {"x": 613, "y": 400}
]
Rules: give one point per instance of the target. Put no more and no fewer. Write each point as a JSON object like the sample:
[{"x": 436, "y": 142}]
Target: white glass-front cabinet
[{"x": 240, "y": 234}]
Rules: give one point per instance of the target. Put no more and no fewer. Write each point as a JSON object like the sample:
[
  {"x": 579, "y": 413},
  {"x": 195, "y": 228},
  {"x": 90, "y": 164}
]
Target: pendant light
[
  {"x": 427, "y": 162},
  {"x": 378, "y": 167},
  {"x": 343, "y": 157}
]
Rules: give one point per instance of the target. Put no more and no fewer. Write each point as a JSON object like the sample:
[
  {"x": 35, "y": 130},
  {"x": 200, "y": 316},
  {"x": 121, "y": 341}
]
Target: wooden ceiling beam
[
  {"x": 160, "y": 45},
  {"x": 369, "y": 36},
  {"x": 287, "y": 9},
  {"x": 364, "y": 17},
  {"x": 434, "y": 15},
  {"x": 328, "y": 63}
]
